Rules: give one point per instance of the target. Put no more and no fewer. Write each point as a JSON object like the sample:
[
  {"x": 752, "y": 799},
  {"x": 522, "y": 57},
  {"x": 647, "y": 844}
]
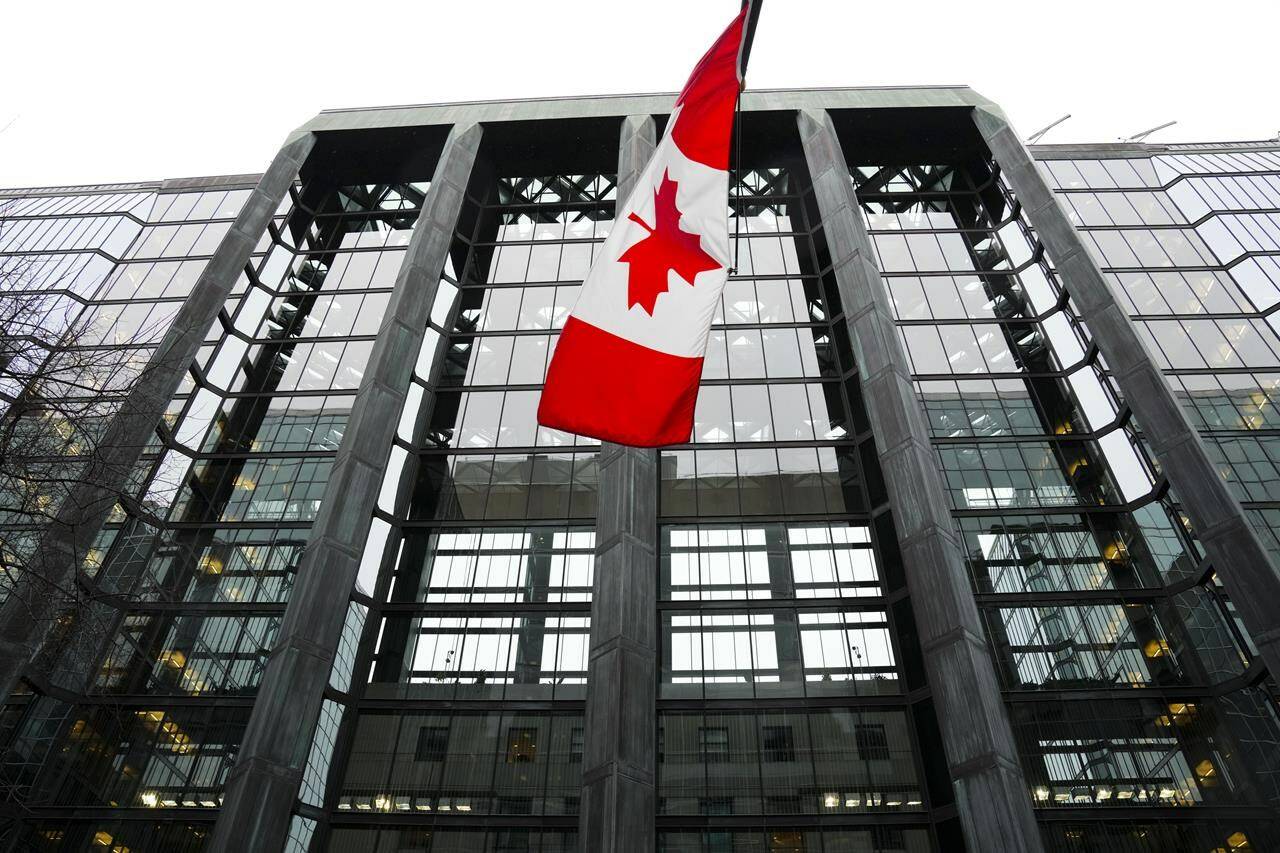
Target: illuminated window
[
  {"x": 786, "y": 842},
  {"x": 522, "y": 745}
]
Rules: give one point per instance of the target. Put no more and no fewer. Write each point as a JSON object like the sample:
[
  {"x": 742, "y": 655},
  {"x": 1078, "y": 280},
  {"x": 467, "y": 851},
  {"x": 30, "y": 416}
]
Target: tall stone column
[
  {"x": 619, "y": 750},
  {"x": 1233, "y": 545},
  {"x": 531, "y": 637},
  {"x": 31, "y": 609},
  {"x": 263, "y": 785},
  {"x": 992, "y": 797}
]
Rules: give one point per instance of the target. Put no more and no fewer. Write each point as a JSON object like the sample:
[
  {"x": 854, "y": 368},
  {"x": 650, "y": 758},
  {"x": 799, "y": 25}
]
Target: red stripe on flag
[
  {"x": 609, "y": 388},
  {"x": 703, "y": 129}
]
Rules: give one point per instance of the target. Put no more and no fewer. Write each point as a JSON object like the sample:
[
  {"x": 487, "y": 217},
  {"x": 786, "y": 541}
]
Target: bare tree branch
[{"x": 66, "y": 368}]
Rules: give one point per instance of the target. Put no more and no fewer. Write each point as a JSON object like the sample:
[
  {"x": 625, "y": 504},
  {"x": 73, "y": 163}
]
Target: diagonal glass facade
[
  {"x": 1122, "y": 668},
  {"x": 795, "y": 702},
  {"x": 92, "y": 281},
  {"x": 116, "y": 265},
  {"x": 1183, "y": 237},
  {"x": 202, "y": 564}
]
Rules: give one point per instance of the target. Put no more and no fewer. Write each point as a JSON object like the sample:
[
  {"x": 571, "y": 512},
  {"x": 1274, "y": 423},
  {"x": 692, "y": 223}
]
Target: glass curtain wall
[
  {"x": 1192, "y": 243},
  {"x": 462, "y": 728},
  {"x": 104, "y": 273},
  {"x": 202, "y": 565},
  {"x": 89, "y": 285},
  {"x": 1190, "y": 239},
  {"x": 783, "y": 722},
  {"x": 1122, "y": 673},
  {"x": 792, "y": 709}
]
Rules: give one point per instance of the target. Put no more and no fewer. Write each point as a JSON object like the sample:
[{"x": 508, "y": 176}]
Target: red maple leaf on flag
[{"x": 667, "y": 247}]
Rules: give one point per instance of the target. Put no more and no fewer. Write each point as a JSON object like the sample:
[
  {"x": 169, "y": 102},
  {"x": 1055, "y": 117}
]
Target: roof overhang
[{"x": 607, "y": 106}]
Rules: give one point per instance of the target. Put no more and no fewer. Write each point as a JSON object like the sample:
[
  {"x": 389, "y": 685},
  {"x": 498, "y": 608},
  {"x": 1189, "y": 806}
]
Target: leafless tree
[
  {"x": 66, "y": 370},
  {"x": 62, "y": 380}
]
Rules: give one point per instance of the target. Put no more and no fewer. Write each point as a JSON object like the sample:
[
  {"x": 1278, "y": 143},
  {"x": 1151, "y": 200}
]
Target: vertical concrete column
[
  {"x": 29, "y": 612},
  {"x": 1233, "y": 545},
  {"x": 786, "y": 631},
  {"x": 620, "y": 726},
  {"x": 991, "y": 794},
  {"x": 263, "y": 785},
  {"x": 531, "y": 637}
]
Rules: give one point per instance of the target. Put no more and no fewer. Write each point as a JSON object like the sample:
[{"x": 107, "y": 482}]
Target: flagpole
[
  {"x": 752, "y": 8},
  {"x": 748, "y": 36}
]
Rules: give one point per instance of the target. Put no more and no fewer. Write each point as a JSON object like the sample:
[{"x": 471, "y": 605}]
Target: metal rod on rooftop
[
  {"x": 1138, "y": 137},
  {"x": 1042, "y": 131}
]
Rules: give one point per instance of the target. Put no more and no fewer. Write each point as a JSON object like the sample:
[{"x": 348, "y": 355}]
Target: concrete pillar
[
  {"x": 992, "y": 797},
  {"x": 786, "y": 631},
  {"x": 1232, "y": 544},
  {"x": 531, "y": 638},
  {"x": 620, "y": 728},
  {"x": 263, "y": 785},
  {"x": 31, "y": 610}
]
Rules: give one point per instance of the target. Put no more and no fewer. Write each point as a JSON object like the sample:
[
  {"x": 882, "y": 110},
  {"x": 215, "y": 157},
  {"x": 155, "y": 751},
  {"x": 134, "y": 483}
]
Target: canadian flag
[{"x": 627, "y": 366}]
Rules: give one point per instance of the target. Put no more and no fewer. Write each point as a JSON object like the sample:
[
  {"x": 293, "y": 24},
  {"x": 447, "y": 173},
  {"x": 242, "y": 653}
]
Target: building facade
[{"x": 974, "y": 545}]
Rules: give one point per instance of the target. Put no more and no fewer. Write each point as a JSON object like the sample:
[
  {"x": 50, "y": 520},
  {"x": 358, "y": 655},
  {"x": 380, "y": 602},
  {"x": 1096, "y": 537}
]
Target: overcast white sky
[{"x": 99, "y": 92}]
